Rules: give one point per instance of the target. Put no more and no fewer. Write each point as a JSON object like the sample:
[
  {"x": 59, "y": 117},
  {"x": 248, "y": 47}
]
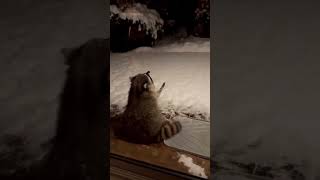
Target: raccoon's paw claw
[
  {"x": 163, "y": 84},
  {"x": 160, "y": 90}
]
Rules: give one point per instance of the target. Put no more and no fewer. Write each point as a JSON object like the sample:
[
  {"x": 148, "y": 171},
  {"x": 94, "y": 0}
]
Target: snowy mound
[
  {"x": 193, "y": 168},
  {"x": 190, "y": 44},
  {"x": 139, "y": 13}
]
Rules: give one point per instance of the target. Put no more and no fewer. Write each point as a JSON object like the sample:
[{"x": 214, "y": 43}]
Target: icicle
[{"x": 129, "y": 31}]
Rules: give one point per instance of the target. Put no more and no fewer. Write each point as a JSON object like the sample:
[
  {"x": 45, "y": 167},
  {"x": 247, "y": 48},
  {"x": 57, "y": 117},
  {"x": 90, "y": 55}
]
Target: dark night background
[{"x": 265, "y": 81}]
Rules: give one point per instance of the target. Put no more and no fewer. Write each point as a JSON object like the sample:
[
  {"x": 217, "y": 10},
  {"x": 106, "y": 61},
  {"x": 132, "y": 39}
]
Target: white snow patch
[
  {"x": 187, "y": 77},
  {"x": 139, "y": 13},
  {"x": 187, "y": 90},
  {"x": 190, "y": 44},
  {"x": 114, "y": 10},
  {"x": 193, "y": 168}
]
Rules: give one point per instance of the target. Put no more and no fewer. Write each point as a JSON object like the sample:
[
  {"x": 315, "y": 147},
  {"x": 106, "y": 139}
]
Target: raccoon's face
[{"x": 142, "y": 83}]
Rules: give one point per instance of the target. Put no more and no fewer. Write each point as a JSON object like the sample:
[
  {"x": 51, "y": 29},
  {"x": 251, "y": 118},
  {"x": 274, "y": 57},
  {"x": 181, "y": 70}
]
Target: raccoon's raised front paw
[
  {"x": 163, "y": 84},
  {"x": 160, "y": 90}
]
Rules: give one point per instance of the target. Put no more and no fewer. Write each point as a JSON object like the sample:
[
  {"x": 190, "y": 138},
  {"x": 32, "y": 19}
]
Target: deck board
[{"x": 157, "y": 154}]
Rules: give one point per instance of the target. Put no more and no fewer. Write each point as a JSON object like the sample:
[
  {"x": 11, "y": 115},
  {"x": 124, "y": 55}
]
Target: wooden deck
[{"x": 157, "y": 155}]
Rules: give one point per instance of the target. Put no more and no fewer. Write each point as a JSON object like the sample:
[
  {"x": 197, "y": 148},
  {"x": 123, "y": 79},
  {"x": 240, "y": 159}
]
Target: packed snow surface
[
  {"x": 187, "y": 77},
  {"x": 186, "y": 95},
  {"x": 189, "y": 44}
]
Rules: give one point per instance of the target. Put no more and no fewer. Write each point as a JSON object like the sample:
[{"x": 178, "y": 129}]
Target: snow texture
[
  {"x": 194, "y": 137},
  {"x": 186, "y": 96},
  {"x": 194, "y": 169},
  {"x": 190, "y": 44},
  {"x": 139, "y": 13},
  {"x": 187, "y": 77}
]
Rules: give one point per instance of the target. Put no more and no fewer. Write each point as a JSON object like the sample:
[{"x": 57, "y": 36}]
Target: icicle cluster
[{"x": 148, "y": 19}]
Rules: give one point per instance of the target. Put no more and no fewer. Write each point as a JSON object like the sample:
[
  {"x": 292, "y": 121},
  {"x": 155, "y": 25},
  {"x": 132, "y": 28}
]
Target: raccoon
[{"x": 142, "y": 121}]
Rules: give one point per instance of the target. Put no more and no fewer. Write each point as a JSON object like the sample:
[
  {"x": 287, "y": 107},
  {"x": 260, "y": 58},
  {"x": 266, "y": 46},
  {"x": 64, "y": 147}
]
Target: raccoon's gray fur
[{"x": 142, "y": 121}]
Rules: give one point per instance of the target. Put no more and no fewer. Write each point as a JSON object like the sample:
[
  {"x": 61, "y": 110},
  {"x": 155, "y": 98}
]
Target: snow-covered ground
[
  {"x": 186, "y": 73},
  {"x": 185, "y": 67},
  {"x": 174, "y": 44},
  {"x": 32, "y": 69}
]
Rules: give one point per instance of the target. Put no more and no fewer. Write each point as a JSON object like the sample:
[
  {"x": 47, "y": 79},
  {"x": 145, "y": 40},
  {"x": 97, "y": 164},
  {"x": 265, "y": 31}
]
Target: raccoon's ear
[{"x": 131, "y": 78}]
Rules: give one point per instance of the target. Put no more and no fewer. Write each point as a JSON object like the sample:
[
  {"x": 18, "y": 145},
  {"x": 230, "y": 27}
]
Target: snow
[
  {"x": 194, "y": 137},
  {"x": 114, "y": 10},
  {"x": 194, "y": 169},
  {"x": 190, "y": 44},
  {"x": 187, "y": 77},
  {"x": 187, "y": 91},
  {"x": 139, "y": 13}
]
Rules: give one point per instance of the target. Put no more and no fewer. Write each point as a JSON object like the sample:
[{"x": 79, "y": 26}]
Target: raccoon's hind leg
[
  {"x": 160, "y": 90},
  {"x": 168, "y": 130}
]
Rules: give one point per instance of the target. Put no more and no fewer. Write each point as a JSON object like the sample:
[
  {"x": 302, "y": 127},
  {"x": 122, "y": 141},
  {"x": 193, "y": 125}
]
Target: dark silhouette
[{"x": 80, "y": 147}]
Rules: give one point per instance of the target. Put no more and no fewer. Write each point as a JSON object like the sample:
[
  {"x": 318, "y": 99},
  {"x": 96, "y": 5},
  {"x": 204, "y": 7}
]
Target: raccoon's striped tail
[{"x": 169, "y": 129}]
